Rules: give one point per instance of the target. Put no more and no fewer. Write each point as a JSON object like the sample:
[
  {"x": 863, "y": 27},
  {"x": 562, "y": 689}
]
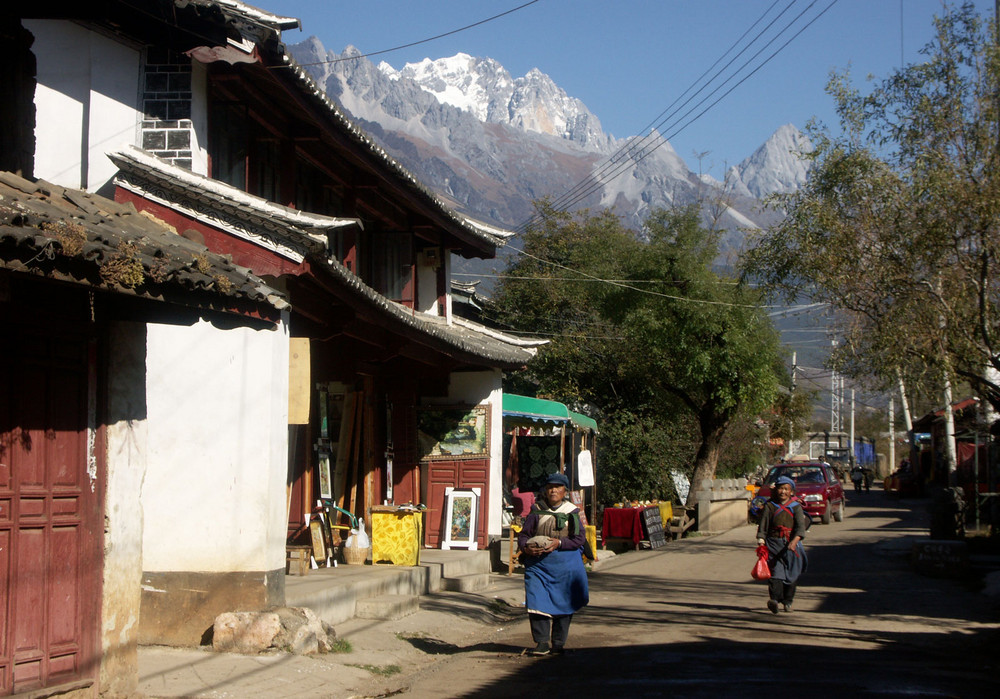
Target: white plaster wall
[
  {"x": 199, "y": 118},
  {"x": 214, "y": 492},
  {"x": 85, "y": 103},
  {"x": 476, "y": 388},
  {"x": 447, "y": 286},
  {"x": 126, "y": 467},
  {"x": 426, "y": 288}
]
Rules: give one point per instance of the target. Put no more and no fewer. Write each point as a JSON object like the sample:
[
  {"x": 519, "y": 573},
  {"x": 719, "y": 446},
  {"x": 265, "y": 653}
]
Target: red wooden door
[
  {"x": 50, "y": 554},
  {"x": 465, "y": 473}
]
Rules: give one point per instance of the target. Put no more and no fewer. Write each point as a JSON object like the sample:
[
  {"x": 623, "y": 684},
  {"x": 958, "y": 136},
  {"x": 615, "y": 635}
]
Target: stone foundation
[{"x": 180, "y": 608}]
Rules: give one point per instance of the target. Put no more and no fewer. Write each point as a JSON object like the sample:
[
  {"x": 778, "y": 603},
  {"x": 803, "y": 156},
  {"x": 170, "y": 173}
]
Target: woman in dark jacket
[
  {"x": 555, "y": 581},
  {"x": 782, "y": 527}
]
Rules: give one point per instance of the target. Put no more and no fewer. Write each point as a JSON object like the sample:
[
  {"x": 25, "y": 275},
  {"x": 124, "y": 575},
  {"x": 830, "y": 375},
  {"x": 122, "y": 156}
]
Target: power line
[
  {"x": 801, "y": 308},
  {"x": 422, "y": 41},
  {"x": 636, "y": 289},
  {"x": 635, "y": 143},
  {"x": 592, "y": 184},
  {"x": 720, "y": 282},
  {"x": 661, "y": 139}
]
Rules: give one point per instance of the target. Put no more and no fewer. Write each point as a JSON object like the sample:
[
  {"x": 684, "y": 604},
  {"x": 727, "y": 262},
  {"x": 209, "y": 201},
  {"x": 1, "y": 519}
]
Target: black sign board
[{"x": 654, "y": 527}]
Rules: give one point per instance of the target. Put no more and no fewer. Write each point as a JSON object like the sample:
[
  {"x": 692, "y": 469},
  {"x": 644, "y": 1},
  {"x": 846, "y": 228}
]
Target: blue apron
[{"x": 555, "y": 583}]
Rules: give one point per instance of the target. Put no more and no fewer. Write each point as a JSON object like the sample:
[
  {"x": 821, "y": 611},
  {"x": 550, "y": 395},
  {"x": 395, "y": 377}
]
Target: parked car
[{"x": 816, "y": 486}]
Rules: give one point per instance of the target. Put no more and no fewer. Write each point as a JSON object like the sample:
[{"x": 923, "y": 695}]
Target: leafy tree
[
  {"x": 897, "y": 227},
  {"x": 646, "y": 332},
  {"x": 791, "y": 414}
]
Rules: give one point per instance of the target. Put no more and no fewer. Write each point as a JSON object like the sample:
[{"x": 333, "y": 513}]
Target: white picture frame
[{"x": 460, "y": 518}]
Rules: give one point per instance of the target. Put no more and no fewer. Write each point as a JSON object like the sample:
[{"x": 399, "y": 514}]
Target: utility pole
[
  {"x": 851, "y": 440},
  {"x": 836, "y": 398},
  {"x": 907, "y": 420},
  {"x": 892, "y": 440},
  {"x": 793, "y": 444}
]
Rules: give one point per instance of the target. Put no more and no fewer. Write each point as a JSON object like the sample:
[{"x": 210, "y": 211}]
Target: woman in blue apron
[
  {"x": 782, "y": 527},
  {"x": 555, "y": 581}
]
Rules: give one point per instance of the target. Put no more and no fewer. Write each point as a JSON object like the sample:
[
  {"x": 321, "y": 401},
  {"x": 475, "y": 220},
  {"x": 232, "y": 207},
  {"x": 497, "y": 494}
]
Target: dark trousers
[
  {"x": 559, "y": 625},
  {"x": 780, "y": 591}
]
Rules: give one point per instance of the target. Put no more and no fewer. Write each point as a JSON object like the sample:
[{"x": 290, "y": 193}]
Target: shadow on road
[{"x": 721, "y": 668}]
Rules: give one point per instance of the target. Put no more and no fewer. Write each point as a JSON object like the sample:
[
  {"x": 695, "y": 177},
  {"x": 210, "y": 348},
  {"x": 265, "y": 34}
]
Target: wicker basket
[{"x": 354, "y": 555}]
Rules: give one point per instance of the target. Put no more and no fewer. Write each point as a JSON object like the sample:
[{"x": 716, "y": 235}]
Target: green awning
[
  {"x": 526, "y": 411},
  {"x": 534, "y": 410},
  {"x": 582, "y": 421}
]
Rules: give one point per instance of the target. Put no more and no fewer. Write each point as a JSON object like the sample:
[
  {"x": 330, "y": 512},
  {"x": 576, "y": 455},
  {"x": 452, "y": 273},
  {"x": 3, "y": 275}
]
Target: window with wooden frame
[
  {"x": 228, "y": 143},
  {"x": 390, "y": 270}
]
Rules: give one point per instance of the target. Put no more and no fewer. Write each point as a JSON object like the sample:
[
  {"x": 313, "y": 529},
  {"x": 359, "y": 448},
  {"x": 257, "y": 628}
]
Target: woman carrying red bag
[{"x": 782, "y": 527}]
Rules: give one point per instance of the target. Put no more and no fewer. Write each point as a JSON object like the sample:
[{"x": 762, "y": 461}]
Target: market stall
[{"x": 543, "y": 437}]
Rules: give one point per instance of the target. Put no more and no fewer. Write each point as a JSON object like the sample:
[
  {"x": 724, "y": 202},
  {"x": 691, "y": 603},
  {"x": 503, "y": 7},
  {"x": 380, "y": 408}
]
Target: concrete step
[
  {"x": 470, "y": 582},
  {"x": 452, "y": 565},
  {"x": 334, "y": 593},
  {"x": 387, "y": 607}
]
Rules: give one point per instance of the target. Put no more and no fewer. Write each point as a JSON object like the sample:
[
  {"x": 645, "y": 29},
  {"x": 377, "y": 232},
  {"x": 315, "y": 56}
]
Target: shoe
[
  {"x": 557, "y": 650},
  {"x": 788, "y": 607},
  {"x": 773, "y": 606},
  {"x": 541, "y": 648}
]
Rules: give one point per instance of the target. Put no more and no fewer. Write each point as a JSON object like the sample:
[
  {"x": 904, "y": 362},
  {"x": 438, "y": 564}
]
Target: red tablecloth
[{"x": 623, "y": 523}]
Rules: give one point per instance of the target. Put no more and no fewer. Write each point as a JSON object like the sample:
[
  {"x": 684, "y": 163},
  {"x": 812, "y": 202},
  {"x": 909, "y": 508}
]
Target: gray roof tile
[{"x": 72, "y": 235}]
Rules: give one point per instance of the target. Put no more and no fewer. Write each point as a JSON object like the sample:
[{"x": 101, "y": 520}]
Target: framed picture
[
  {"x": 461, "y": 507},
  {"x": 325, "y": 484},
  {"x": 453, "y": 432}
]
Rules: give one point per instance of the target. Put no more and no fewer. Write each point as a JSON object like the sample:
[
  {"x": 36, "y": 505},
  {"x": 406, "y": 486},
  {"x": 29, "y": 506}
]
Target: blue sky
[{"x": 628, "y": 60}]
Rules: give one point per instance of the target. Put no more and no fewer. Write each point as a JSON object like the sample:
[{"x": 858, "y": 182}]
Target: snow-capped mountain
[
  {"x": 492, "y": 144},
  {"x": 484, "y": 88},
  {"x": 775, "y": 167}
]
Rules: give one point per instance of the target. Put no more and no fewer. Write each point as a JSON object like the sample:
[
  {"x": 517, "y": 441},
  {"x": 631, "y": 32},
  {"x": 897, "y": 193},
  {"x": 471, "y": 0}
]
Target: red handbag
[{"x": 761, "y": 571}]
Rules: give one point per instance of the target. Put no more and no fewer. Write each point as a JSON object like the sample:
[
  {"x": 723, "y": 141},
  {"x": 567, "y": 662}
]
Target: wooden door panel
[
  {"x": 441, "y": 475},
  {"x": 50, "y": 567},
  {"x": 65, "y": 441},
  {"x": 466, "y": 474},
  {"x": 5, "y": 583},
  {"x": 475, "y": 474},
  {"x": 62, "y": 608},
  {"x": 30, "y": 579}
]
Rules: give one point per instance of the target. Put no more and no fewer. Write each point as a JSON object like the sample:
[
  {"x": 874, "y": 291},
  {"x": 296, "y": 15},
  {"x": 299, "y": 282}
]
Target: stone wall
[
  {"x": 166, "y": 104},
  {"x": 722, "y": 504}
]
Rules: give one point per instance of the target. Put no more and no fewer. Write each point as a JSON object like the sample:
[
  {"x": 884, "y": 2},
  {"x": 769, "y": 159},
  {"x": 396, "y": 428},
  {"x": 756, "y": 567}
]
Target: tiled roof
[
  {"x": 239, "y": 15},
  {"x": 459, "y": 338},
  {"x": 471, "y": 229},
  {"x": 241, "y": 10},
  {"x": 957, "y": 408},
  {"x": 226, "y": 206},
  {"x": 75, "y": 236},
  {"x": 290, "y": 232}
]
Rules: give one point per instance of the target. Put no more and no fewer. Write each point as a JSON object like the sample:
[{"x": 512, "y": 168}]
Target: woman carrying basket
[
  {"x": 555, "y": 581},
  {"x": 782, "y": 527}
]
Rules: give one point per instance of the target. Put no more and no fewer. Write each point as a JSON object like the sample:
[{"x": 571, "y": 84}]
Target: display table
[
  {"x": 624, "y": 524},
  {"x": 396, "y": 535}
]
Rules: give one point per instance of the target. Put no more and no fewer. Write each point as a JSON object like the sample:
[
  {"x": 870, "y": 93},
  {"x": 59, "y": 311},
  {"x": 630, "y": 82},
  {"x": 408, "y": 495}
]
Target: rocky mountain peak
[
  {"x": 484, "y": 88},
  {"x": 778, "y": 166},
  {"x": 492, "y": 144}
]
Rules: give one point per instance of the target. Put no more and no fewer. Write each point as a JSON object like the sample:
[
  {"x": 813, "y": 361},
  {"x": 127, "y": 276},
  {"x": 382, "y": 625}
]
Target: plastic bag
[
  {"x": 358, "y": 538},
  {"x": 761, "y": 571}
]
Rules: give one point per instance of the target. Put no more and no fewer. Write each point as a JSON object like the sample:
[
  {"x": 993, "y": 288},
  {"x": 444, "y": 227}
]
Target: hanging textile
[{"x": 537, "y": 457}]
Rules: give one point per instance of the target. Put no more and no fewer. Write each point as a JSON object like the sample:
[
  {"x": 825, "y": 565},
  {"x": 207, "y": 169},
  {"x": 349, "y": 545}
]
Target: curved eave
[
  {"x": 483, "y": 238},
  {"x": 146, "y": 171},
  {"x": 464, "y": 345},
  {"x": 255, "y": 14}
]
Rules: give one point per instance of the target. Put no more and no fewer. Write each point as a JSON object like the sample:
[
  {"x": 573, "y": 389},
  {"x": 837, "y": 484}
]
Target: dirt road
[{"x": 687, "y": 621}]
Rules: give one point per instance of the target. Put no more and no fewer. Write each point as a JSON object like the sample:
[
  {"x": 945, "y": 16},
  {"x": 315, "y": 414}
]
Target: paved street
[{"x": 684, "y": 621}]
